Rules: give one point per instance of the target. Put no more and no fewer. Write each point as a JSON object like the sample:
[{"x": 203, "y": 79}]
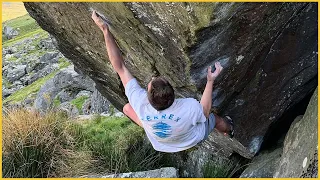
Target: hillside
[{"x": 11, "y": 10}]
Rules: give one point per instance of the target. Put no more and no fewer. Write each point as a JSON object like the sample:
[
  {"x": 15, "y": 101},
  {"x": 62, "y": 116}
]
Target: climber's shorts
[{"x": 209, "y": 125}]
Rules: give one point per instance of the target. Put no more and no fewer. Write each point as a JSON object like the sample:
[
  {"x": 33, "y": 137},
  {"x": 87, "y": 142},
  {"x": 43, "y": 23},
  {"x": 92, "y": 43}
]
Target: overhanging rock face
[{"x": 268, "y": 50}]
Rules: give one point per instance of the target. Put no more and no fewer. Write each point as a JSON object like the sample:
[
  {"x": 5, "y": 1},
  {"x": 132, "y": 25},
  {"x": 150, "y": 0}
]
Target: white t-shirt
[{"x": 179, "y": 127}]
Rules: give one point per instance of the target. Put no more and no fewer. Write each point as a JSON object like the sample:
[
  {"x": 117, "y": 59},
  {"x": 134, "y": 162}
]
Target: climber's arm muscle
[
  {"x": 113, "y": 50},
  {"x": 125, "y": 75},
  {"x": 116, "y": 58}
]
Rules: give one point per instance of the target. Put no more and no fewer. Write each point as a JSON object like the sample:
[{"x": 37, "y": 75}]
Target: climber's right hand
[
  {"x": 212, "y": 76},
  {"x": 99, "y": 21}
]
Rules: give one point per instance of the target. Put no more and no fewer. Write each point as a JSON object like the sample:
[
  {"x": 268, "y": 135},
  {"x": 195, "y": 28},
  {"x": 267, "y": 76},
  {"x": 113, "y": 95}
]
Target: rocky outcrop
[
  {"x": 168, "y": 172},
  {"x": 16, "y": 72},
  {"x": 268, "y": 51},
  {"x": 300, "y": 152},
  {"x": 9, "y": 32},
  {"x": 67, "y": 79},
  {"x": 24, "y": 62},
  {"x": 70, "y": 109},
  {"x": 264, "y": 165},
  {"x": 98, "y": 103}
]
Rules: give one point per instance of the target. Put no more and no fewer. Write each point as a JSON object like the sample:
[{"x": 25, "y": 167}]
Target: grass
[
  {"x": 6, "y": 83},
  {"x": 36, "y": 145},
  {"x": 12, "y": 58},
  {"x": 78, "y": 102},
  {"x": 41, "y": 32},
  {"x": 56, "y": 102},
  {"x": 25, "y": 25},
  {"x": 111, "y": 109},
  {"x": 21, "y": 94},
  {"x": 117, "y": 145},
  {"x": 52, "y": 145},
  {"x": 220, "y": 168}
]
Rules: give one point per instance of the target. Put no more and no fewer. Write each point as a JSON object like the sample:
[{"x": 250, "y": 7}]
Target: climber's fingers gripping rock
[
  {"x": 99, "y": 21},
  {"x": 212, "y": 76}
]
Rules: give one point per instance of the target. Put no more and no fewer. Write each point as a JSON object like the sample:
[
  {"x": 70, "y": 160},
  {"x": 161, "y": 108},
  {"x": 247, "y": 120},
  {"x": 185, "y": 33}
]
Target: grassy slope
[
  {"x": 21, "y": 94},
  {"x": 27, "y": 28},
  {"x": 25, "y": 25}
]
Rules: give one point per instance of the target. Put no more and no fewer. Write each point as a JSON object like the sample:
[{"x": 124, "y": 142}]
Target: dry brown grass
[
  {"x": 11, "y": 10},
  {"x": 52, "y": 145},
  {"x": 40, "y": 146}
]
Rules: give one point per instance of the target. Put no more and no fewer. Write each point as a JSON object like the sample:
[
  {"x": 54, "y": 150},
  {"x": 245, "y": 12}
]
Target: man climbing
[{"x": 171, "y": 124}]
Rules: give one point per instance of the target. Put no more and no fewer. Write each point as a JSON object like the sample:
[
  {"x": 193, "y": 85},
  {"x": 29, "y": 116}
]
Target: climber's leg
[
  {"x": 221, "y": 124},
  {"x": 128, "y": 110},
  {"x": 224, "y": 125},
  {"x": 215, "y": 121}
]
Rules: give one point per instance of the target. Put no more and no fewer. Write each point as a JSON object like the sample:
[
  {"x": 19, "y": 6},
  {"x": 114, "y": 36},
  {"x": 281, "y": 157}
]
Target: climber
[{"x": 171, "y": 124}]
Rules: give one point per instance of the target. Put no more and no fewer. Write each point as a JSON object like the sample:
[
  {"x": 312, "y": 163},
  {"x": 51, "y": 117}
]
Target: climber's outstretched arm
[
  {"x": 206, "y": 99},
  {"x": 113, "y": 51}
]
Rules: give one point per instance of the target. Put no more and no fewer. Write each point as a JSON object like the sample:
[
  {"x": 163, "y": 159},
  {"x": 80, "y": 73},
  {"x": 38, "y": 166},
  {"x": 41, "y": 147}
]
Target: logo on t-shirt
[{"x": 162, "y": 129}]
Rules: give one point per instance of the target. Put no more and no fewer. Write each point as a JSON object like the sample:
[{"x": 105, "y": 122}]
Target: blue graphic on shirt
[{"x": 163, "y": 130}]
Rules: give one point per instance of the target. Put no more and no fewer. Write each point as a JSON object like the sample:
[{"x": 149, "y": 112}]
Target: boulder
[
  {"x": 118, "y": 114},
  {"x": 86, "y": 107},
  {"x": 32, "y": 65},
  {"x": 100, "y": 105},
  {"x": 268, "y": 51},
  {"x": 46, "y": 44},
  {"x": 70, "y": 109},
  {"x": 49, "y": 57},
  {"x": 84, "y": 93},
  {"x": 264, "y": 165},
  {"x": 5, "y": 70},
  {"x": 17, "y": 83},
  {"x": 67, "y": 95},
  {"x": 35, "y": 66},
  {"x": 65, "y": 79},
  {"x": 17, "y": 55},
  {"x": 43, "y": 72},
  {"x": 9, "y": 32},
  {"x": 16, "y": 72},
  {"x": 299, "y": 156},
  {"x": 7, "y": 92},
  {"x": 167, "y": 172},
  {"x": 9, "y": 50},
  {"x": 8, "y": 56}
]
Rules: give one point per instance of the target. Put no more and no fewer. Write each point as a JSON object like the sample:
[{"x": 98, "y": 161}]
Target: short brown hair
[{"x": 160, "y": 94}]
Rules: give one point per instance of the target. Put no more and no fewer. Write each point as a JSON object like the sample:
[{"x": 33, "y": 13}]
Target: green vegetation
[
  {"x": 111, "y": 109},
  {"x": 63, "y": 63},
  {"x": 117, "y": 145},
  {"x": 25, "y": 25},
  {"x": 56, "y": 102},
  {"x": 53, "y": 145},
  {"x": 6, "y": 83},
  {"x": 78, "y": 102},
  {"x": 12, "y": 58},
  {"x": 10, "y": 42},
  {"x": 220, "y": 168},
  {"x": 36, "y": 146},
  {"x": 34, "y": 87}
]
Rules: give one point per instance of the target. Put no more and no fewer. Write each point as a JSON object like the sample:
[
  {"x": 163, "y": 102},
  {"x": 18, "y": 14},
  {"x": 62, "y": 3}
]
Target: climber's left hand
[{"x": 99, "y": 22}]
